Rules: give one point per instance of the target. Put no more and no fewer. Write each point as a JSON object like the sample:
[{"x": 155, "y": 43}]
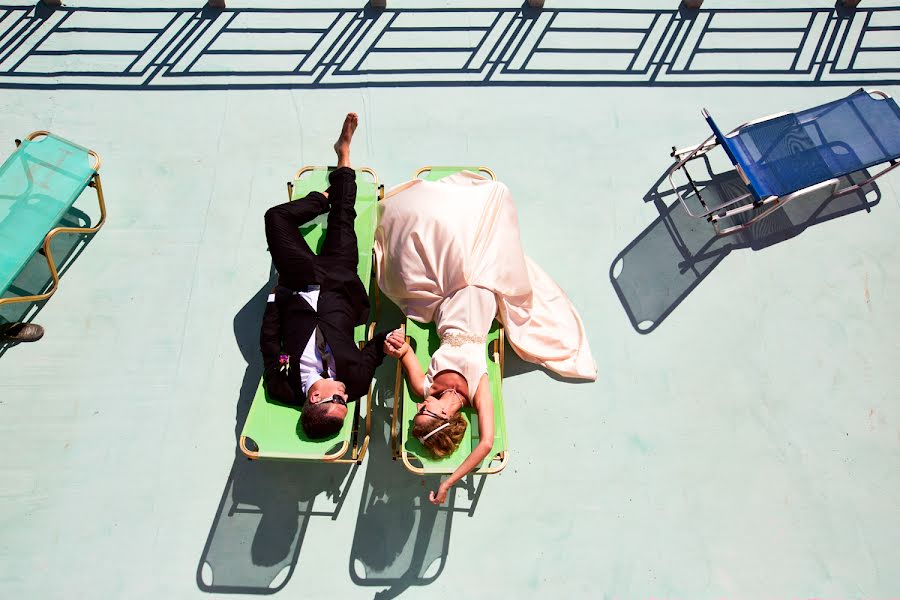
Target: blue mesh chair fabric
[
  {"x": 797, "y": 150},
  {"x": 38, "y": 184}
]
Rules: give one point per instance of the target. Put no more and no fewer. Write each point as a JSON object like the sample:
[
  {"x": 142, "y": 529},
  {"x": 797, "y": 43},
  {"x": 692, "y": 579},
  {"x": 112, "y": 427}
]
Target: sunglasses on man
[{"x": 337, "y": 399}]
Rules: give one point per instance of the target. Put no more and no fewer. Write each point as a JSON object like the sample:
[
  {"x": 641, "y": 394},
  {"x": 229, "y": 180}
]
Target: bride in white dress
[{"x": 449, "y": 251}]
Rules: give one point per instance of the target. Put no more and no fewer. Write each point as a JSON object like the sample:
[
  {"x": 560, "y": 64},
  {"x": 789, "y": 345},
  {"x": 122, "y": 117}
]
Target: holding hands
[{"x": 395, "y": 344}]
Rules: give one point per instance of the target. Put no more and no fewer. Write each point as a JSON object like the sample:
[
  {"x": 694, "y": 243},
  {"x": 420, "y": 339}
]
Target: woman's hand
[
  {"x": 437, "y": 498},
  {"x": 395, "y": 344}
]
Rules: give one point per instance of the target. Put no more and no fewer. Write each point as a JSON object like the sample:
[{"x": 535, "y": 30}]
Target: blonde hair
[{"x": 442, "y": 443}]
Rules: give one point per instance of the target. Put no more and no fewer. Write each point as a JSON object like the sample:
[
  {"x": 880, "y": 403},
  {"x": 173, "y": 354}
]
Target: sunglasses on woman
[{"x": 425, "y": 411}]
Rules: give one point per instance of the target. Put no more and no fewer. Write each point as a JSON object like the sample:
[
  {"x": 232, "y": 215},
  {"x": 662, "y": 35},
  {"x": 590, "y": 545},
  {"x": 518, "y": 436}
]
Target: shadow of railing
[
  {"x": 654, "y": 273},
  {"x": 266, "y": 47}
]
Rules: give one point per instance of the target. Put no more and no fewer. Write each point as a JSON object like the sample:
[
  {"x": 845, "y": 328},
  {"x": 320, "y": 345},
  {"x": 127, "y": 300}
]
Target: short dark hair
[{"x": 318, "y": 422}]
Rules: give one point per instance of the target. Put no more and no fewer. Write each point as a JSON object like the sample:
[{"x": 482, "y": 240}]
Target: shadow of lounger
[
  {"x": 655, "y": 272},
  {"x": 256, "y": 536},
  {"x": 401, "y": 539}
]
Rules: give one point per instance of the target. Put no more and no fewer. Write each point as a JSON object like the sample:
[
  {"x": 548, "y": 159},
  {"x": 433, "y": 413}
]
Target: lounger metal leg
[
  {"x": 398, "y": 400},
  {"x": 48, "y": 254},
  {"x": 502, "y": 349},
  {"x": 251, "y": 454},
  {"x": 499, "y": 355},
  {"x": 503, "y": 457},
  {"x": 358, "y": 457},
  {"x": 782, "y": 202},
  {"x": 360, "y": 452},
  {"x": 404, "y": 458},
  {"x": 368, "y": 421},
  {"x": 336, "y": 457},
  {"x": 701, "y": 149},
  {"x": 856, "y": 186},
  {"x": 776, "y": 202},
  {"x": 736, "y": 228},
  {"x": 692, "y": 153}
]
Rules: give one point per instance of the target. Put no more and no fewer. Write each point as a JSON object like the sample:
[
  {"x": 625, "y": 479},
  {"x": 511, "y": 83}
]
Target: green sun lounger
[
  {"x": 272, "y": 429},
  {"x": 39, "y": 183},
  {"x": 424, "y": 340}
]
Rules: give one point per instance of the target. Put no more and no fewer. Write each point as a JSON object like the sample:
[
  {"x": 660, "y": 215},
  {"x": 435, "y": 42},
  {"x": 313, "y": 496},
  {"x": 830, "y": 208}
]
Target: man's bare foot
[{"x": 342, "y": 145}]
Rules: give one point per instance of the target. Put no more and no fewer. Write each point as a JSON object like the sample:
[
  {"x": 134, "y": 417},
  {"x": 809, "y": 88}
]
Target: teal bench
[{"x": 39, "y": 183}]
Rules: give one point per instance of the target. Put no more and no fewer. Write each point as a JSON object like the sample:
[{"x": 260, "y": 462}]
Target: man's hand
[{"x": 395, "y": 344}]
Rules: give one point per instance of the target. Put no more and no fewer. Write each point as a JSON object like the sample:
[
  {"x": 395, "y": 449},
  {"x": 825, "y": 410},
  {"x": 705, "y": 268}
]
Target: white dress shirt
[{"x": 311, "y": 360}]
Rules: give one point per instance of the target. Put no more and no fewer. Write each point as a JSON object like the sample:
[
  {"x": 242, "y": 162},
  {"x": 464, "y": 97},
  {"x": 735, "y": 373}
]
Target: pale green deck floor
[{"x": 747, "y": 448}]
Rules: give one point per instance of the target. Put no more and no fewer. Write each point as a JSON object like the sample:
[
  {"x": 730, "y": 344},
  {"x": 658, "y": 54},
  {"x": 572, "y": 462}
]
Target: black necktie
[{"x": 327, "y": 359}]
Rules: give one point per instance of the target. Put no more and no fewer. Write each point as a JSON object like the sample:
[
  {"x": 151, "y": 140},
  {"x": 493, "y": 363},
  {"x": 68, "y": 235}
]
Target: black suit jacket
[{"x": 290, "y": 321}]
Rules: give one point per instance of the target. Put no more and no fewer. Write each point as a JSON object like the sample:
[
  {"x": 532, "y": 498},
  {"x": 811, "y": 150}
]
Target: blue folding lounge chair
[{"x": 788, "y": 155}]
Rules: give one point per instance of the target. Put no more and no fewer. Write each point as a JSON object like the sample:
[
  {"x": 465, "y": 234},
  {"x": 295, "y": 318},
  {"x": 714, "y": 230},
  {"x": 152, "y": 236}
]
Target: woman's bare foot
[{"x": 342, "y": 145}]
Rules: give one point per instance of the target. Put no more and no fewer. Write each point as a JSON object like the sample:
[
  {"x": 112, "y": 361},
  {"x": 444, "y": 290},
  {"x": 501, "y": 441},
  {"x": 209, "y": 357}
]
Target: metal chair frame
[{"x": 769, "y": 204}]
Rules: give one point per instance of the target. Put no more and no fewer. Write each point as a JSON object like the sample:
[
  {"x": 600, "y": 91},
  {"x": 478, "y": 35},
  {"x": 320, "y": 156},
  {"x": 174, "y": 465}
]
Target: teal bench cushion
[{"x": 38, "y": 184}]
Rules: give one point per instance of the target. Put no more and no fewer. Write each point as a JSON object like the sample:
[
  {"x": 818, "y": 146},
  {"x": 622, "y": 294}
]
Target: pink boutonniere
[{"x": 285, "y": 361}]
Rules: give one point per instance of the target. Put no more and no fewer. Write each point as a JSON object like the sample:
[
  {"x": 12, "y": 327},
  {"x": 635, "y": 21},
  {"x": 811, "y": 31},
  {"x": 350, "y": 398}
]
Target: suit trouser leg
[
  {"x": 293, "y": 258},
  {"x": 340, "y": 245}
]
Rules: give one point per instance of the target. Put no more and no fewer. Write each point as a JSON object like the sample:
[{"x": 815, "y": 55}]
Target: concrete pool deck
[{"x": 742, "y": 439}]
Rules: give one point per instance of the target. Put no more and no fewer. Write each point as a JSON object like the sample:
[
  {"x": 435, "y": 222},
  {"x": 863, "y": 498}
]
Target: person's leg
[
  {"x": 293, "y": 258},
  {"x": 340, "y": 243}
]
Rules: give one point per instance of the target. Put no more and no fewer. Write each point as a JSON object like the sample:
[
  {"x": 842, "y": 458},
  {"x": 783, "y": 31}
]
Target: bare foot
[{"x": 342, "y": 145}]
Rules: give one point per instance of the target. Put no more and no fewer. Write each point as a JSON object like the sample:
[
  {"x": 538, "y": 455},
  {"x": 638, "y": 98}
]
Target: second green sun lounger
[
  {"x": 424, "y": 340},
  {"x": 272, "y": 429}
]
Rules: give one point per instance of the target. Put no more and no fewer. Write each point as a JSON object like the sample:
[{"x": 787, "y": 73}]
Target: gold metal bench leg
[
  {"x": 48, "y": 254},
  {"x": 397, "y": 413}
]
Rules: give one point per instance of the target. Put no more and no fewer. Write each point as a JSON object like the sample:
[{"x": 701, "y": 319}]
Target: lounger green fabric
[
  {"x": 274, "y": 428},
  {"x": 424, "y": 340},
  {"x": 39, "y": 183}
]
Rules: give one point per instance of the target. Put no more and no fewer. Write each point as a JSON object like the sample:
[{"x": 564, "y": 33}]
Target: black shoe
[{"x": 20, "y": 332}]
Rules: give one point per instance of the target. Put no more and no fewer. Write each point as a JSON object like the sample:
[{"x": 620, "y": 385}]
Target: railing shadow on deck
[
  {"x": 266, "y": 47},
  {"x": 656, "y": 271}
]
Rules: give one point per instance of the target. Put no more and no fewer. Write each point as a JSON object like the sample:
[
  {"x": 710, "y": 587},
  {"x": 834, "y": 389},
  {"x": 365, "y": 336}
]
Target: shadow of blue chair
[{"x": 657, "y": 270}]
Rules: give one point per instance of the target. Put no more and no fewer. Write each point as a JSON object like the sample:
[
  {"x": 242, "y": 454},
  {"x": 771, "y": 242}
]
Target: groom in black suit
[{"x": 309, "y": 355}]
